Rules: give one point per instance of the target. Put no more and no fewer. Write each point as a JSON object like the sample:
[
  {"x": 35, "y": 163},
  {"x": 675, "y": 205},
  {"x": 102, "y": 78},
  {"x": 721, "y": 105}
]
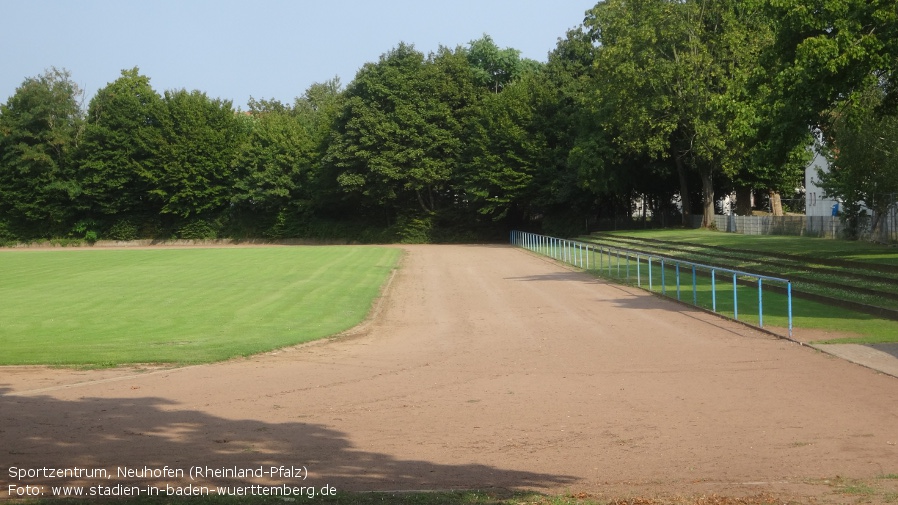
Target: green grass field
[
  {"x": 110, "y": 307},
  {"x": 806, "y": 314},
  {"x": 862, "y": 328},
  {"x": 804, "y": 246}
]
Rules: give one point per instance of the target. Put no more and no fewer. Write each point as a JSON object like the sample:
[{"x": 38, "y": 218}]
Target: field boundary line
[
  {"x": 102, "y": 381},
  {"x": 356, "y": 331}
]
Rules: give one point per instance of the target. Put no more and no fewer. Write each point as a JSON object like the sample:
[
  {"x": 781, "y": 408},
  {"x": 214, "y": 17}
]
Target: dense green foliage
[{"x": 651, "y": 107}]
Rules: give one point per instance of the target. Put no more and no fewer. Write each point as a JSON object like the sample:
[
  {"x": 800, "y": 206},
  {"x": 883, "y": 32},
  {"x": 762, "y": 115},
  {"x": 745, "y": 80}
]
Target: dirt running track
[{"x": 483, "y": 367}]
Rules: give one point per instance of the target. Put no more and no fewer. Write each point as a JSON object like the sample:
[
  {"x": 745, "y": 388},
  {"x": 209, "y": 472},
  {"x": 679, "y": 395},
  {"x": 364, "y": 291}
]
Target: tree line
[{"x": 649, "y": 107}]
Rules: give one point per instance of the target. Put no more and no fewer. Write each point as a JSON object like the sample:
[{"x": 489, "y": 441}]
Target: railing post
[
  {"x": 663, "y": 285},
  {"x": 789, "y": 303},
  {"x": 678, "y": 281},
  {"x": 760, "y": 304},
  {"x": 735, "y": 299},
  {"x": 713, "y": 291},
  {"x": 694, "y": 291},
  {"x": 638, "y": 272},
  {"x": 650, "y": 273}
]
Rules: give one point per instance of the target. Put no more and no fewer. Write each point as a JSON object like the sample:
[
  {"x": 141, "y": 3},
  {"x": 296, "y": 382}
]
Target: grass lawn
[
  {"x": 109, "y": 307},
  {"x": 805, "y": 246},
  {"x": 857, "y": 327},
  {"x": 806, "y": 314}
]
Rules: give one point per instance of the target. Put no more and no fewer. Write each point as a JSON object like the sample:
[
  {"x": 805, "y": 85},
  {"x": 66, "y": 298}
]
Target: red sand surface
[{"x": 483, "y": 367}]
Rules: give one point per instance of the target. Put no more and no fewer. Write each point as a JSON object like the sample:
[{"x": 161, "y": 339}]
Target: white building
[{"x": 815, "y": 203}]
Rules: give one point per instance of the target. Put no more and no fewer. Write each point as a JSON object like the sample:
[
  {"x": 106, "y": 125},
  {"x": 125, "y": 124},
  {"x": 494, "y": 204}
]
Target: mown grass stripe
[{"x": 180, "y": 305}]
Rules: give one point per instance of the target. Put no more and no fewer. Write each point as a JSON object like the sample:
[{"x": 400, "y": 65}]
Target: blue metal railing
[{"x": 616, "y": 262}]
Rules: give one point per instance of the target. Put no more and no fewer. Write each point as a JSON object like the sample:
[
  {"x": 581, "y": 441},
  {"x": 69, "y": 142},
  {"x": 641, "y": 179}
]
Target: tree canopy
[{"x": 649, "y": 109}]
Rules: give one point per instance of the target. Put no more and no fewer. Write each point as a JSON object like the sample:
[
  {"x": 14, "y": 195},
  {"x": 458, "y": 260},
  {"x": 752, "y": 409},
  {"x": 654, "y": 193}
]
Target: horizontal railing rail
[{"x": 583, "y": 255}]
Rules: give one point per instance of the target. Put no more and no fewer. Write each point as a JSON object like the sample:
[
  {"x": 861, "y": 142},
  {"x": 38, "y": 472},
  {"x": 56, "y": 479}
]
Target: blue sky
[{"x": 262, "y": 48}]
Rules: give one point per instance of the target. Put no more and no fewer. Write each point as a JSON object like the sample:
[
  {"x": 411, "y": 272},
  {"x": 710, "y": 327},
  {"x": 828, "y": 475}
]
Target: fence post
[
  {"x": 760, "y": 304},
  {"x": 650, "y": 273},
  {"x": 694, "y": 291},
  {"x": 638, "y": 273},
  {"x": 713, "y": 291},
  {"x": 663, "y": 285},
  {"x": 735, "y": 300},
  {"x": 789, "y": 303},
  {"x": 678, "y": 281}
]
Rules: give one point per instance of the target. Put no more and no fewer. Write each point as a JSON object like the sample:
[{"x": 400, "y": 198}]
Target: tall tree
[
  {"x": 863, "y": 156},
  {"x": 676, "y": 74},
  {"x": 396, "y": 141},
  {"x": 40, "y": 126},
  {"x": 825, "y": 58},
  {"x": 493, "y": 67},
  {"x": 199, "y": 140},
  {"x": 273, "y": 159},
  {"x": 585, "y": 169},
  {"x": 505, "y": 149},
  {"x": 120, "y": 147},
  {"x": 826, "y": 53}
]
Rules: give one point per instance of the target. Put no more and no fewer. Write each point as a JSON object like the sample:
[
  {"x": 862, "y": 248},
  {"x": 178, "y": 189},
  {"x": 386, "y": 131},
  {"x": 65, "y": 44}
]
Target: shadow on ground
[{"x": 116, "y": 433}]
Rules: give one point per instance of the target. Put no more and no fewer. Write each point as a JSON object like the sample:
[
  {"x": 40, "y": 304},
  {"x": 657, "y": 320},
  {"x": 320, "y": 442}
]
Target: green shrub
[
  {"x": 198, "y": 229},
  {"x": 7, "y": 237},
  {"x": 123, "y": 229},
  {"x": 86, "y": 229},
  {"x": 415, "y": 229}
]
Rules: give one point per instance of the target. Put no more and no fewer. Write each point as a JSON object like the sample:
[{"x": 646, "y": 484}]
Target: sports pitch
[
  {"x": 490, "y": 368},
  {"x": 191, "y": 305}
]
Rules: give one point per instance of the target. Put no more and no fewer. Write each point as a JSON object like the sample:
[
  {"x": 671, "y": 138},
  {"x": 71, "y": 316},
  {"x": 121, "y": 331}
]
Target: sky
[{"x": 271, "y": 49}]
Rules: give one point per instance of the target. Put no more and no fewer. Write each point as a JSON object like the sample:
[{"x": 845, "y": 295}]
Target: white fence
[{"x": 811, "y": 226}]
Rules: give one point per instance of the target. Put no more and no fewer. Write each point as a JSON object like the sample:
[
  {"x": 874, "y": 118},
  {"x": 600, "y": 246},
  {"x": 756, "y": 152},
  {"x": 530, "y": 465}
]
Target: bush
[
  {"x": 123, "y": 229},
  {"x": 86, "y": 229},
  {"x": 414, "y": 230},
  {"x": 198, "y": 229},
  {"x": 7, "y": 237}
]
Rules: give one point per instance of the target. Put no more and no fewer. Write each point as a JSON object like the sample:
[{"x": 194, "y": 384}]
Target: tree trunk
[
  {"x": 776, "y": 204},
  {"x": 421, "y": 201},
  {"x": 743, "y": 201},
  {"x": 685, "y": 201},
  {"x": 707, "y": 199}
]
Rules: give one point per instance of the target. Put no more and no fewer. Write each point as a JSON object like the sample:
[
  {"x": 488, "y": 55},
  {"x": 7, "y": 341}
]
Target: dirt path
[{"x": 485, "y": 367}]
